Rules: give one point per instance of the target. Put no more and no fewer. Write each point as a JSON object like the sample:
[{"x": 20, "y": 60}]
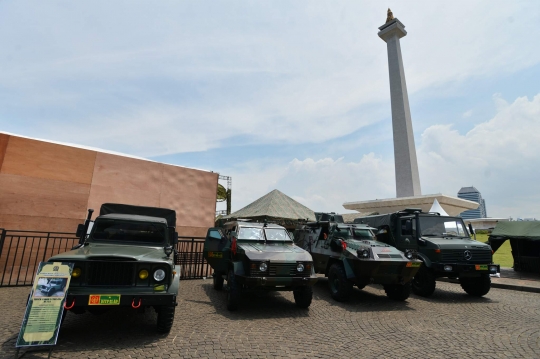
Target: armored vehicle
[
  {"x": 444, "y": 246},
  {"x": 125, "y": 260},
  {"x": 350, "y": 255},
  {"x": 257, "y": 256}
]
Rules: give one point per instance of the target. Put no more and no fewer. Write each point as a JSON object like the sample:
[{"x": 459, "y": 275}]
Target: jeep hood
[
  {"x": 279, "y": 252},
  {"x": 129, "y": 252},
  {"x": 456, "y": 243}
]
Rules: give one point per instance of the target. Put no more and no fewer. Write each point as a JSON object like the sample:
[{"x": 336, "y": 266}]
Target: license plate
[
  {"x": 481, "y": 267},
  {"x": 104, "y": 299},
  {"x": 414, "y": 264}
]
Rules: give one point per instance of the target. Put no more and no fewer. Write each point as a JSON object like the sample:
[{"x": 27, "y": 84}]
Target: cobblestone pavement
[{"x": 504, "y": 324}]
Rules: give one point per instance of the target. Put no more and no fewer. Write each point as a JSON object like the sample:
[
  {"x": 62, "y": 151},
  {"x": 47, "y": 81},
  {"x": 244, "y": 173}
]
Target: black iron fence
[{"x": 21, "y": 252}]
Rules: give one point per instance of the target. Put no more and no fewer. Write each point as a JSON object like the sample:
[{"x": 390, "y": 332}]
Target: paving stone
[{"x": 503, "y": 324}]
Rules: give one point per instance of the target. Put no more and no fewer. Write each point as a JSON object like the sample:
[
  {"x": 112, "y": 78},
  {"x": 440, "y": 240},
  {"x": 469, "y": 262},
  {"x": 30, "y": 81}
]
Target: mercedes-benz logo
[{"x": 467, "y": 255}]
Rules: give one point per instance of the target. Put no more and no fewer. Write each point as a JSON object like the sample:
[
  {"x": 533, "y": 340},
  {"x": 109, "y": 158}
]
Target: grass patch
[{"x": 503, "y": 256}]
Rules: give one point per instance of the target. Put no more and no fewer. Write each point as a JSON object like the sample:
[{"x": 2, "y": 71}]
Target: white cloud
[
  {"x": 467, "y": 114},
  {"x": 499, "y": 157},
  {"x": 208, "y": 71}
]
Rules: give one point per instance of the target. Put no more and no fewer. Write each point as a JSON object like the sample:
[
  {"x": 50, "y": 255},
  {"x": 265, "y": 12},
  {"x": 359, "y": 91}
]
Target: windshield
[
  {"x": 272, "y": 234},
  {"x": 442, "y": 227},
  {"x": 251, "y": 233},
  {"x": 344, "y": 233},
  {"x": 128, "y": 231},
  {"x": 276, "y": 234},
  {"x": 363, "y": 233}
]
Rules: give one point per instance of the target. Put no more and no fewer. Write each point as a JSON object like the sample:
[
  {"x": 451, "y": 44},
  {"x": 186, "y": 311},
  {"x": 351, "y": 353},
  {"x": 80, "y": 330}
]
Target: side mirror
[
  {"x": 173, "y": 235},
  {"x": 80, "y": 230}
]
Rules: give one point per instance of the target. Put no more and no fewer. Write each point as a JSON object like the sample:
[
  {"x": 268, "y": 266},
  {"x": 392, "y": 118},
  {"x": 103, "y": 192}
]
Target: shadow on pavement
[
  {"x": 116, "y": 329},
  {"x": 370, "y": 299},
  {"x": 255, "y": 305}
]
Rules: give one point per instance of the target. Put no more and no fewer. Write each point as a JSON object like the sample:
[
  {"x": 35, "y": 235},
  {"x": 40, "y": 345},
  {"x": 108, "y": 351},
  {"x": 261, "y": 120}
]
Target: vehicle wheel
[
  {"x": 476, "y": 287},
  {"x": 233, "y": 293},
  {"x": 361, "y": 286},
  {"x": 218, "y": 281},
  {"x": 340, "y": 286},
  {"x": 398, "y": 291},
  {"x": 423, "y": 282},
  {"x": 303, "y": 296},
  {"x": 165, "y": 318}
]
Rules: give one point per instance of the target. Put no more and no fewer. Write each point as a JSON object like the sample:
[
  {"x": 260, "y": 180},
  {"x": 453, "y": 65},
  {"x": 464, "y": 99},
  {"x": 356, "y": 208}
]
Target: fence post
[
  {"x": 46, "y": 246},
  {"x": 2, "y": 239}
]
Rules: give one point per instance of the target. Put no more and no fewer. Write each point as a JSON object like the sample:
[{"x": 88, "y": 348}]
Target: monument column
[{"x": 406, "y": 165}]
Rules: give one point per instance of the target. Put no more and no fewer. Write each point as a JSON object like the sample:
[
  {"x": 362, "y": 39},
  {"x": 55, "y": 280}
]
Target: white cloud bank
[
  {"x": 169, "y": 77},
  {"x": 500, "y": 157}
]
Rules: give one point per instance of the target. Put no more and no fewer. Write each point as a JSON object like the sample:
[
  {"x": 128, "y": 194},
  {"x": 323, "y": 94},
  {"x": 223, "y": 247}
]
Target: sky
[{"x": 287, "y": 95}]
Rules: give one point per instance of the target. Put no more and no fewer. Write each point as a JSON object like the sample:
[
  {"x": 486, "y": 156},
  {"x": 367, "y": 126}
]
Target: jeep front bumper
[
  {"x": 134, "y": 300},
  {"x": 282, "y": 283}
]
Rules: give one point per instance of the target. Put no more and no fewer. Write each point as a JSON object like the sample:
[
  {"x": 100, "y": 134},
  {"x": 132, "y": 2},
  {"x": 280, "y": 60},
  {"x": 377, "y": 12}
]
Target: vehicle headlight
[
  {"x": 159, "y": 275},
  {"x": 263, "y": 267},
  {"x": 364, "y": 253},
  {"x": 143, "y": 274},
  {"x": 408, "y": 254},
  {"x": 76, "y": 272},
  {"x": 300, "y": 267},
  {"x": 492, "y": 269},
  {"x": 448, "y": 268}
]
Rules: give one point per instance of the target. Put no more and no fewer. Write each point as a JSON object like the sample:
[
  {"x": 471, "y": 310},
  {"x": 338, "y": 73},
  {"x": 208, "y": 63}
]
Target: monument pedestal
[{"x": 452, "y": 205}]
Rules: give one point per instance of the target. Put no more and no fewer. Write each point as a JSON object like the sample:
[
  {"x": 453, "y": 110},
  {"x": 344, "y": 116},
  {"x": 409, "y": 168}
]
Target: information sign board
[{"x": 44, "y": 310}]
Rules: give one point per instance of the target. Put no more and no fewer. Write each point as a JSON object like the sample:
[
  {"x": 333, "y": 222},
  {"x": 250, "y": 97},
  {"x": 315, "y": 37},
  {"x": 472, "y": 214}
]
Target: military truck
[
  {"x": 350, "y": 255},
  {"x": 125, "y": 261},
  {"x": 258, "y": 256},
  {"x": 444, "y": 246}
]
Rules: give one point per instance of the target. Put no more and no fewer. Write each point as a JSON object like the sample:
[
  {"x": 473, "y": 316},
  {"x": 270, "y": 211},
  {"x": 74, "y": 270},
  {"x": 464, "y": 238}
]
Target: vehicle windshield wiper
[{"x": 429, "y": 235}]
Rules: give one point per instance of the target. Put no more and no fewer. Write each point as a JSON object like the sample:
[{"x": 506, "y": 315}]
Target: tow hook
[
  {"x": 133, "y": 303},
  {"x": 71, "y": 306}
]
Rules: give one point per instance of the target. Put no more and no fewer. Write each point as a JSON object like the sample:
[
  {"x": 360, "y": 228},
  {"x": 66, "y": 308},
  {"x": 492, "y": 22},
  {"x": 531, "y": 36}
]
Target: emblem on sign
[{"x": 467, "y": 255}]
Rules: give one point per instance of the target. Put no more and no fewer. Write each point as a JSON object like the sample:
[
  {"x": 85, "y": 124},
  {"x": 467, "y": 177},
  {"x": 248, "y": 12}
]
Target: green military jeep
[
  {"x": 350, "y": 255},
  {"x": 257, "y": 256},
  {"x": 444, "y": 246},
  {"x": 125, "y": 260}
]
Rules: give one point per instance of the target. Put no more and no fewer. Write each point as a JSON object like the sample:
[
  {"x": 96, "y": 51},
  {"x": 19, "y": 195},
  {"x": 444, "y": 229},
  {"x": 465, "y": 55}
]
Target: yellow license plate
[
  {"x": 481, "y": 267},
  {"x": 104, "y": 299},
  {"x": 414, "y": 264},
  {"x": 215, "y": 254}
]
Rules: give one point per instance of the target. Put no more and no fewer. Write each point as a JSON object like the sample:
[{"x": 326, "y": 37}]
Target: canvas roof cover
[
  {"x": 275, "y": 204},
  {"x": 514, "y": 230},
  {"x": 168, "y": 214}
]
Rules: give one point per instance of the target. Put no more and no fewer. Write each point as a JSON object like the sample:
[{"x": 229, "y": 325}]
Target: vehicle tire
[
  {"x": 340, "y": 286},
  {"x": 477, "y": 287},
  {"x": 423, "y": 283},
  {"x": 165, "y": 318},
  {"x": 233, "y": 294},
  {"x": 303, "y": 296},
  {"x": 218, "y": 281},
  {"x": 398, "y": 291},
  {"x": 361, "y": 286}
]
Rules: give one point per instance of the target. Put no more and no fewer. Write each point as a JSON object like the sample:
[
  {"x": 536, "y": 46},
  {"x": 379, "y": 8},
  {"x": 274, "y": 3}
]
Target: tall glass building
[{"x": 472, "y": 194}]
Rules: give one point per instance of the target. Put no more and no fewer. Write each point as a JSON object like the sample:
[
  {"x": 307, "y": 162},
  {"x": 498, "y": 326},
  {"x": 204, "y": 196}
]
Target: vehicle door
[
  {"x": 407, "y": 234},
  {"x": 216, "y": 249}
]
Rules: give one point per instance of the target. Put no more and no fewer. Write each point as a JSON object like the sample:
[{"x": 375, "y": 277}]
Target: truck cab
[{"x": 444, "y": 246}]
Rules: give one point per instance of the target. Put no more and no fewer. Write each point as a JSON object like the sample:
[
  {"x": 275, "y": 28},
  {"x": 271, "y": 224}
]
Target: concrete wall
[{"x": 48, "y": 187}]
